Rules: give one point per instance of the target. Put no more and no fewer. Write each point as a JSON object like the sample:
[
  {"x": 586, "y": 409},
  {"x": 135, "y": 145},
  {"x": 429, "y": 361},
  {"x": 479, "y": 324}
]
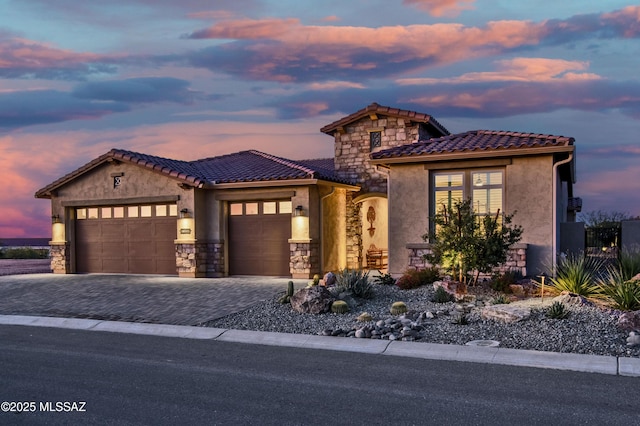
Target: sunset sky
[{"x": 191, "y": 79}]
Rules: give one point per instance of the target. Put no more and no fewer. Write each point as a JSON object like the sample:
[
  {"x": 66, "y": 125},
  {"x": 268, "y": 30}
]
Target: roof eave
[
  {"x": 278, "y": 183},
  {"x": 465, "y": 155}
]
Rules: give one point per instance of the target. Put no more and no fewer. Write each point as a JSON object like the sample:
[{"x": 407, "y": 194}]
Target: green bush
[
  {"x": 577, "y": 274},
  {"x": 354, "y": 281},
  {"x": 501, "y": 300},
  {"x": 23, "y": 253},
  {"x": 625, "y": 294},
  {"x": 414, "y": 279},
  {"x": 442, "y": 296},
  {"x": 501, "y": 282}
]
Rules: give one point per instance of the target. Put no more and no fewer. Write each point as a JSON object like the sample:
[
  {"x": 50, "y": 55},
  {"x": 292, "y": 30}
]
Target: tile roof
[
  {"x": 244, "y": 166},
  {"x": 385, "y": 110},
  {"x": 474, "y": 141}
]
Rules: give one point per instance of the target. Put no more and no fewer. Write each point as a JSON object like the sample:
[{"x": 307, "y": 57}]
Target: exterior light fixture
[
  {"x": 55, "y": 219},
  {"x": 184, "y": 213},
  {"x": 298, "y": 212}
]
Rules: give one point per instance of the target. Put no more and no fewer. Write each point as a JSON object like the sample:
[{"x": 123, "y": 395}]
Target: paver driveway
[{"x": 137, "y": 298}]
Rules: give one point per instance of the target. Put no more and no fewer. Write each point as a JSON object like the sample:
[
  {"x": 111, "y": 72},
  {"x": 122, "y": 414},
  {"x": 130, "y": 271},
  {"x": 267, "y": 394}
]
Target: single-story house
[{"x": 252, "y": 213}]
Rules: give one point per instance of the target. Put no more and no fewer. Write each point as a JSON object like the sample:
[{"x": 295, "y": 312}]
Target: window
[
  {"x": 106, "y": 212},
  {"x": 235, "y": 209},
  {"x": 269, "y": 207},
  {"x": 484, "y": 187},
  {"x": 286, "y": 207},
  {"x": 132, "y": 211},
  {"x": 118, "y": 212},
  {"x": 161, "y": 210},
  {"x": 81, "y": 213},
  {"x": 375, "y": 139},
  {"x": 173, "y": 210}
]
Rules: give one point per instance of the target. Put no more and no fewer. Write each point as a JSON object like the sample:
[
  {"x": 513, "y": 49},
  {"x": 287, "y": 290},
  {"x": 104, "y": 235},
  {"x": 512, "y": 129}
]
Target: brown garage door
[
  {"x": 126, "y": 239},
  {"x": 258, "y": 238}
]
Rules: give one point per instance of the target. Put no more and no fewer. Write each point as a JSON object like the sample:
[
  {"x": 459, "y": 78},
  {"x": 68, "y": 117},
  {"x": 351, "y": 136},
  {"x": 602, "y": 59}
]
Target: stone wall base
[
  {"x": 60, "y": 254},
  {"x": 200, "y": 259},
  {"x": 516, "y": 259},
  {"x": 304, "y": 259}
]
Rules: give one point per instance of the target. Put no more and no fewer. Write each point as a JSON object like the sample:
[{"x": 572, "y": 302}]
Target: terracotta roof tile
[
  {"x": 244, "y": 166},
  {"x": 473, "y": 141}
]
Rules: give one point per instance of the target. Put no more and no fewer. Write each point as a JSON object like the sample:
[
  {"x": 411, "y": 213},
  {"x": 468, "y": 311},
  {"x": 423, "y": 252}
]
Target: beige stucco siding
[
  {"x": 528, "y": 192},
  {"x": 334, "y": 236},
  {"x": 408, "y": 206}
]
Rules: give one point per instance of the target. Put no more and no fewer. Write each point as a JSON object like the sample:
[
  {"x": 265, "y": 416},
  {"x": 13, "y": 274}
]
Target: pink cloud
[
  {"x": 249, "y": 29},
  {"x": 441, "y": 7},
  {"x": 626, "y": 20},
  {"x": 518, "y": 69}
]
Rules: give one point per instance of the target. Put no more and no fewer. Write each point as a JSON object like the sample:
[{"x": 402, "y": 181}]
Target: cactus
[
  {"x": 339, "y": 307},
  {"x": 461, "y": 319},
  {"x": 284, "y": 299},
  {"x": 398, "y": 308},
  {"x": 365, "y": 317},
  {"x": 316, "y": 279},
  {"x": 290, "y": 288},
  {"x": 557, "y": 311}
]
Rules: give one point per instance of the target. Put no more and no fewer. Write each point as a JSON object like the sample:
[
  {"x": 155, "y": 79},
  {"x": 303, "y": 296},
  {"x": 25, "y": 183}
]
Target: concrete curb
[{"x": 621, "y": 366}]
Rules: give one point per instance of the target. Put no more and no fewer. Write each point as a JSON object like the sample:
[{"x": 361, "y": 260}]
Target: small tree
[{"x": 462, "y": 241}]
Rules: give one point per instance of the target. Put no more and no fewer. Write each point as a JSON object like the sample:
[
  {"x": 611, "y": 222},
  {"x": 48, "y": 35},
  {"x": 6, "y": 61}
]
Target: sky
[{"x": 193, "y": 79}]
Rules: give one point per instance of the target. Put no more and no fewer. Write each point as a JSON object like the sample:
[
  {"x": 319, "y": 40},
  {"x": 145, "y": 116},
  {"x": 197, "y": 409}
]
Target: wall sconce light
[
  {"x": 298, "y": 212},
  {"x": 55, "y": 219},
  {"x": 184, "y": 213}
]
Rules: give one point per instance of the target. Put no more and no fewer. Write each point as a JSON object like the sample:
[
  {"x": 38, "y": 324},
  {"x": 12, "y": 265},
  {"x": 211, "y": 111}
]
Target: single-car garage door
[
  {"x": 126, "y": 239},
  {"x": 258, "y": 238}
]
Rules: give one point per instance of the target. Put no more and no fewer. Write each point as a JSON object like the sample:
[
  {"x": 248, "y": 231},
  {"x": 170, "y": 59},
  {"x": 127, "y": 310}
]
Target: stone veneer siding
[
  {"x": 200, "y": 259},
  {"x": 60, "y": 259},
  {"x": 354, "y": 233},
  {"x": 305, "y": 259},
  {"x": 516, "y": 259}
]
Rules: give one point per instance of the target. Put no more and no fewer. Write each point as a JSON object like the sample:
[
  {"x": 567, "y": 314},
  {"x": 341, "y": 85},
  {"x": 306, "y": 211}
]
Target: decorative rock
[
  {"x": 312, "y": 300},
  {"x": 429, "y": 315},
  {"x": 629, "y": 321},
  {"x": 365, "y": 317},
  {"x": 329, "y": 279},
  {"x": 360, "y": 333},
  {"x": 569, "y": 299},
  {"x": 635, "y": 278},
  {"x": 506, "y": 313},
  {"x": 633, "y": 339}
]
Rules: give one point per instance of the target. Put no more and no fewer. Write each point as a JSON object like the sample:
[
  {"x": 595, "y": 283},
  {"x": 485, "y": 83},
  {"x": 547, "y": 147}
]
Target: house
[{"x": 252, "y": 213}]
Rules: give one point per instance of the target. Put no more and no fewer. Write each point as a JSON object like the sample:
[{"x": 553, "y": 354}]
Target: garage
[
  {"x": 258, "y": 237},
  {"x": 134, "y": 239}
]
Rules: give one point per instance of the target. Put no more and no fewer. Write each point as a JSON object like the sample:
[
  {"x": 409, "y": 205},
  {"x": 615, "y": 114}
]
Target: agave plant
[
  {"x": 355, "y": 281},
  {"x": 577, "y": 274},
  {"x": 624, "y": 293},
  {"x": 629, "y": 262}
]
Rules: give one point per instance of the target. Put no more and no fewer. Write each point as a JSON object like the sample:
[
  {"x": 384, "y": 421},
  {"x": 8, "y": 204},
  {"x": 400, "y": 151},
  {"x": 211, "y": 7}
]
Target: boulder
[
  {"x": 506, "y": 313},
  {"x": 633, "y": 339},
  {"x": 451, "y": 287},
  {"x": 572, "y": 299},
  {"x": 629, "y": 321},
  {"x": 312, "y": 300},
  {"x": 329, "y": 279},
  {"x": 635, "y": 278}
]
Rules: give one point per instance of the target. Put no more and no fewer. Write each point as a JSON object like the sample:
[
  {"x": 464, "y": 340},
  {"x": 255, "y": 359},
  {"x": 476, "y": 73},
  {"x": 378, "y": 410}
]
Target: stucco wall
[
  {"x": 408, "y": 205},
  {"x": 528, "y": 192}
]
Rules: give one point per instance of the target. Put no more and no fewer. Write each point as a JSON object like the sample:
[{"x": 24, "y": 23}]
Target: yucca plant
[
  {"x": 624, "y": 293},
  {"x": 577, "y": 274},
  {"x": 500, "y": 299},
  {"x": 557, "y": 311},
  {"x": 629, "y": 262}
]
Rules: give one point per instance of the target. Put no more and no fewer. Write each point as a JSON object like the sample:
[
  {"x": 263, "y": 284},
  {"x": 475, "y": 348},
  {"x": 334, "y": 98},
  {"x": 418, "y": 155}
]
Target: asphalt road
[{"x": 134, "y": 379}]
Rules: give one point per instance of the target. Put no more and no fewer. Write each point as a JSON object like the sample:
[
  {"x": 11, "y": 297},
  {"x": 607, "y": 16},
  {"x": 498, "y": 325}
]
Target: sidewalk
[{"x": 488, "y": 355}]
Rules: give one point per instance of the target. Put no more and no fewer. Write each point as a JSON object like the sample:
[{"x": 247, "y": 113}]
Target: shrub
[
  {"x": 23, "y": 253},
  {"x": 355, "y": 281},
  {"x": 408, "y": 281},
  {"x": 385, "y": 279},
  {"x": 427, "y": 276},
  {"x": 557, "y": 311},
  {"x": 501, "y": 299},
  {"x": 625, "y": 294},
  {"x": 442, "y": 296},
  {"x": 461, "y": 319},
  {"x": 577, "y": 274},
  {"x": 501, "y": 282}
]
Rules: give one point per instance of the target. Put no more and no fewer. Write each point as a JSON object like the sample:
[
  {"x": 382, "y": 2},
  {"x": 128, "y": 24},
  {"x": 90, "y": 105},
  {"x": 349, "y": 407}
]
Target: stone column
[
  {"x": 354, "y": 234},
  {"x": 59, "y": 253},
  {"x": 304, "y": 258}
]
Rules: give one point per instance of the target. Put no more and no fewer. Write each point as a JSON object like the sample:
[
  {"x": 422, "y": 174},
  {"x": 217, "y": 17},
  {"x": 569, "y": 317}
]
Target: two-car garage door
[{"x": 135, "y": 239}]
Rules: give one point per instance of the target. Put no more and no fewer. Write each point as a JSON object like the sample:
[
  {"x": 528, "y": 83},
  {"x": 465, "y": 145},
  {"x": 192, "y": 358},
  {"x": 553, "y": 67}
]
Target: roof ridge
[{"x": 280, "y": 160}]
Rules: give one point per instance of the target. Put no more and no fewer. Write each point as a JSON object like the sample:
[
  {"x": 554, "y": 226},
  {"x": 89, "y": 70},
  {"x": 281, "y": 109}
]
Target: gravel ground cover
[{"x": 587, "y": 330}]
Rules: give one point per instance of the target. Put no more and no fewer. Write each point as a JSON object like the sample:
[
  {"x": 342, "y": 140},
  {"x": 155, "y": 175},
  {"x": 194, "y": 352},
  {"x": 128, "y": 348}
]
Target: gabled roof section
[
  {"x": 490, "y": 142},
  {"x": 377, "y": 109},
  {"x": 180, "y": 170},
  {"x": 240, "y": 167}
]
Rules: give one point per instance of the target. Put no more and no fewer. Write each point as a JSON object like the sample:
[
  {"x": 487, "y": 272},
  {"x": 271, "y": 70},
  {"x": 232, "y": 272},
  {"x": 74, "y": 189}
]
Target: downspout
[
  {"x": 387, "y": 172},
  {"x": 555, "y": 209},
  {"x": 333, "y": 189}
]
